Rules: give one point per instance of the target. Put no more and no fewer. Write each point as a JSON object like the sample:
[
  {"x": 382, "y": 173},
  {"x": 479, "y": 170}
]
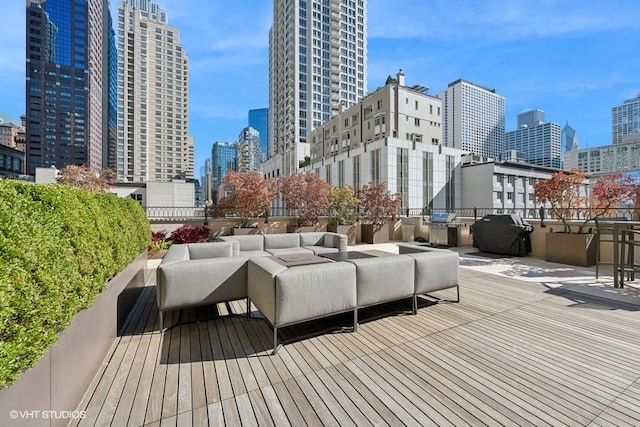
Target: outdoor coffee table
[{"x": 349, "y": 255}]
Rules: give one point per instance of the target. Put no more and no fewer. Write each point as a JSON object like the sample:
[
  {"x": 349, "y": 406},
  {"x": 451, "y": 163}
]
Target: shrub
[
  {"x": 343, "y": 205},
  {"x": 190, "y": 234},
  {"x": 58, "y": 248},
  {"x": 159, "y": 240}
]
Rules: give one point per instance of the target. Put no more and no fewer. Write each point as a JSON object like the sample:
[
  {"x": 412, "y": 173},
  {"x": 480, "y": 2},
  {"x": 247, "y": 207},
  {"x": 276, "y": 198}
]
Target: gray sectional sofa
[
  {"x": 246, "y": 267},
  {"x": 197, "y": 274}
]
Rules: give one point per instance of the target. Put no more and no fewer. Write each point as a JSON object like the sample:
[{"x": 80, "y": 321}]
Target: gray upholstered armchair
[{"x": 192, "y": 275}]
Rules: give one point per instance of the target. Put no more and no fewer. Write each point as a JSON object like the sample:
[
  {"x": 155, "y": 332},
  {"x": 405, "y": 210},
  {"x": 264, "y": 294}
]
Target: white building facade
[
  {"x": 249, "y": 151},
  {"x": 474, "y": 119},
  {"x": 499, "y": 186},
  {"x": 625, "y": 122},
  {"x": 153, "y": 141},
  {"x": 317, "y": 66},
  {"x": 394, "y": 135}
]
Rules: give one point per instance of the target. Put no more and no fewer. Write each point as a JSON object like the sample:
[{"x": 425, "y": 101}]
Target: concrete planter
[
  {"x": 243, "y": 231},
  {"x": 303, "y": 228},
  {"x": 61, "y": 377},
  {"x": 571, "y": 248},
  {"x": 374, "y": 234},
  {"x": 348, "y": 230}
]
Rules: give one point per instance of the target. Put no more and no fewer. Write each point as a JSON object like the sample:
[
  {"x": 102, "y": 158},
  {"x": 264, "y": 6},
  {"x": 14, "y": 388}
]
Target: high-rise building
[
  {"x": 249, "y": 152},
  {"x": 569, "y": 138},
  {"x": 317, "y": 66},
  {"x": 153, "y": 141},
  {"x": 259, "y": 120},
  {"x": 67, "y": 82},
  {"x": 540, "y": 143},
  {"x": 625, "y": 121},
  {"x": 473, "y": 119},
  {"x": 223, "y": 158}
]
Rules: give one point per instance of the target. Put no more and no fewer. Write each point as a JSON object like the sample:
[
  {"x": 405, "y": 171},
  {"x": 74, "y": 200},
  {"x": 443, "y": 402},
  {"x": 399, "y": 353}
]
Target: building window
[
  {"x": 498, "y": 195},
  {"x": 375, "y": 166},
  {"x": 427, "y": 180},
  {"x": 509, "y": 195},
  {"x": 356, "y": 172},
  {"x": 403, "y": 176},
  {"x": 417, "y": 121},
  {"x": 341, "y": 173},
  {"x": 328, "y": 174}
]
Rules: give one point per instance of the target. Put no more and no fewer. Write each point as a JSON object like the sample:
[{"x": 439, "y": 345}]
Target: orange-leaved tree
[
  {"x": 93, "y": 179},
  {"x": 377, "y": 204},
  {"x": 251, "y": 194},
  {"x": 307, "y": 194},
  {"x": 567, "y": 196}
]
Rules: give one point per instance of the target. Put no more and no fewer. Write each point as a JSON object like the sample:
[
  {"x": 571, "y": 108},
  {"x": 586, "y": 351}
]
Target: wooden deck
[{"x": 510, "y": 353}]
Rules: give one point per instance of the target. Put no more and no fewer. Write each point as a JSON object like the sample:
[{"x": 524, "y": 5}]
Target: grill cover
[{"x": 502, "y": 234}]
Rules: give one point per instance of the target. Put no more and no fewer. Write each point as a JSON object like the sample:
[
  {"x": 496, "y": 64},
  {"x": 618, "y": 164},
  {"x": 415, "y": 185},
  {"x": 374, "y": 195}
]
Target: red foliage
[
  {"x": 377, "y": 204},
  {"x": 92, "y": 179},
  {"x": 306, "y": 193},
  {"x": 566, "y": 195},
  {"x": 190, "y": 234},
  {"x": 251, "y": 194}
]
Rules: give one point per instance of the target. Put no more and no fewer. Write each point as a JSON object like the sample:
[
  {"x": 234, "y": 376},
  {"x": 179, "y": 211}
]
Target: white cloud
[{"x": 496, "y": 20}]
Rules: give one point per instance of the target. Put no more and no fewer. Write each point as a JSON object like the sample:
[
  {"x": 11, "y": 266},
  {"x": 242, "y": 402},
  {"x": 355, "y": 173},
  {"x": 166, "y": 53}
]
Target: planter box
[
  {"x": 375, "y": 234},
  {"x": 62, "y": 376},
  {"x": 303, "y": 228},
  {"x": 243, "y": 231},
  {"x": 571, "y": 248},
  {"x": 348, "y": 230}
]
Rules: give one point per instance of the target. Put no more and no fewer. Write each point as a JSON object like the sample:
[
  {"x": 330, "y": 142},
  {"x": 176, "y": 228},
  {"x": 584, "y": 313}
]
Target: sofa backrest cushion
[
  {"x": 283, "y": 240},
  {"x": 210, "y": 250},
  {"x": 253, "y": 242},
  {"x": 315, "y": 238}
]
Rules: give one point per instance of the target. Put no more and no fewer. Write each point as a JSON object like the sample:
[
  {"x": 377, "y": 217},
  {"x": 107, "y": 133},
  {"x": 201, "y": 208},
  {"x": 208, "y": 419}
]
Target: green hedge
[{"x": 58, "y": 248}]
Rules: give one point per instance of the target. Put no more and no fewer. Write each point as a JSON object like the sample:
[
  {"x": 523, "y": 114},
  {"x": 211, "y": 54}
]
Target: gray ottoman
[
  {"x": 435, "y": 269},
  {"x": 296, "y": 294}
]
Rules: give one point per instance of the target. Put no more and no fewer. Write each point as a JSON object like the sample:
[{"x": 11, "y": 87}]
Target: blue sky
[{"x": 574, "y": 59}]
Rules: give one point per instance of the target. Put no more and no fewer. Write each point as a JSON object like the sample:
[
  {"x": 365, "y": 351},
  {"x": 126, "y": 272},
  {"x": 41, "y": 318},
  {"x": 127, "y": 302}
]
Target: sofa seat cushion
[
  {"x": 321, "y": 249},
  {"x": 284, "y": 251},
  {"x": 247, "y": 243},
  {"x": 252, "y": 254},
  {"x": 385, "y": 278},
  {"x": 435, "y": 270},
  {"x": 281, "y": 241},
  {"x": 210, "y": 250}
]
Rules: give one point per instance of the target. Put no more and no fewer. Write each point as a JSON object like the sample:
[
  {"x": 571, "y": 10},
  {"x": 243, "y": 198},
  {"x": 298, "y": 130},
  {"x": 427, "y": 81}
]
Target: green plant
[
  {"x": 159, "y": 241},
  {"x": 343, "y": 205},
  {"x": 58, "y": 248}
]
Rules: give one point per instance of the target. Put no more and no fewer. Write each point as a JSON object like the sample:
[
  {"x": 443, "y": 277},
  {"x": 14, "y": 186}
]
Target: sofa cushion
[
  {"x": 248, "y": 242},
  {"x": 210, "y": 250},
  {"x": 280, "y": 241},
  {"x": 315, "y": 238},
  {"x": 284, "y": 251},
  {"x": 252, "y": 254},
  {"x": 321, "y": 249},
  {"x": 384, "y": 278}
]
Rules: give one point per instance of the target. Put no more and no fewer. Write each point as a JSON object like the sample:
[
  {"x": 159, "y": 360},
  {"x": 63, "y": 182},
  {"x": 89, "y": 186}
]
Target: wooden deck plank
[
  {"x": 510, "y": 352},
  {"x": 263, "y": 417}
]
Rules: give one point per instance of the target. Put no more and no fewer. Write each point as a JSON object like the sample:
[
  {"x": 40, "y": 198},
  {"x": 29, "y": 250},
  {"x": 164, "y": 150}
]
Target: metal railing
[{"x": 199, "y": 213}]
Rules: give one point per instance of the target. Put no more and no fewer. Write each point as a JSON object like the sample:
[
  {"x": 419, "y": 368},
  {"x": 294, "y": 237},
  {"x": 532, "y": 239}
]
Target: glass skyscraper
[
  {"x": 223, "y": 158},
  {"x": 317, "y": 66},
  {"x": 66, "y": 82},
  {"x": 540, "y": 142},
  {"x": 259, "y": 120}
]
